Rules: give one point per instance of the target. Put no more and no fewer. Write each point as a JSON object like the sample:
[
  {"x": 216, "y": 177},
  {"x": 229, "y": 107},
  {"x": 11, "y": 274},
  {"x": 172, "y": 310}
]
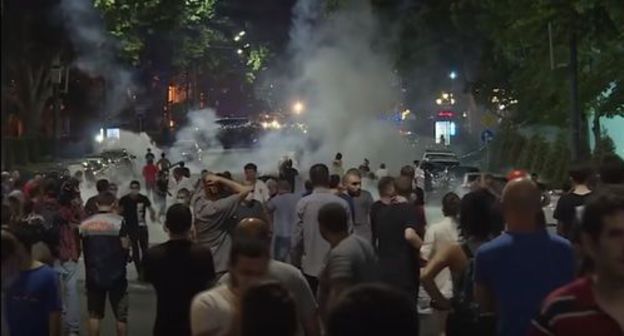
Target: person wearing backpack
[{"x": 475, "y": 227}]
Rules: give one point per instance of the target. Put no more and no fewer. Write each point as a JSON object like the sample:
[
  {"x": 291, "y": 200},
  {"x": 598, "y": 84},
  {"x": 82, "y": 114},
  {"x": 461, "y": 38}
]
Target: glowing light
[
  {"x": 298, "y": 107},
  {"x": 405, "y": 113},
  {"x": 265, "y": 124},
  {"x": 465, "y": 115},
  {"x": 453, "y": 75},
  {"x": 275, "y": 124},
  {"x": 99, "y": 138},
  {"x": 452, "y": 101},
  {"x": 445, "y": 95},
  {"x": 501, "y": 107},
  {"x": 237, "y": 38},
  {"x": 171, "y": 123},
  {"x": 242, "y": 33},
  {"x": 439, "y": 101},
  {"x": 239, "y": 51}
]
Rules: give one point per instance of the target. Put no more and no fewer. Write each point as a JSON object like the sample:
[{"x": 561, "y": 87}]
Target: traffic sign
[{"x": 487, "y": 136}]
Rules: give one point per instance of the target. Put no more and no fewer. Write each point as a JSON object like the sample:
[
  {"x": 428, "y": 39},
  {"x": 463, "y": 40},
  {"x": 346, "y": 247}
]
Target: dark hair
[
  {"x": 334, "y": 181},
  {"x": 408, "y": 171},
  {"x": 135, "y": 183},
  {"x": 334, "y": 218},
  {"x": 162, "y": 154},
  {"x": 50, "y": 187},
  {"x": 354, "y": 171},
  {"x": 384, "y": 184},
  {"x": 580, "y": 172},
  {"x": 319, "y": 175},
  {"x": 27, "y": 234},
  {"x": 607, "y": 201},
  {"x": 106, "y": 199},
  {"x": 451, "y": 204},
  {"x": 475, "y": 219},
  {"x": 372, "y": 309},
  {"x": 251, "y": 166},
  {"x": 268, "y": 308},
  {"x": 308, "y": 185},
  {"x": 403, "y": 185},
  {"x": 183, "y": 191},
  {"x": 250, "y": 247},
  {"x": 338, "y": 156},
  {"x": 178, "y": 219},
  {"x": 612, "y": 169},
  {"x": 102, "y": 185},
  {"x": 382, "y": 166}
]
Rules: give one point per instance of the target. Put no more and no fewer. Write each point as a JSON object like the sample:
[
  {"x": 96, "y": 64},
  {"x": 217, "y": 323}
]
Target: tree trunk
[{"x": 596, "y": 130}]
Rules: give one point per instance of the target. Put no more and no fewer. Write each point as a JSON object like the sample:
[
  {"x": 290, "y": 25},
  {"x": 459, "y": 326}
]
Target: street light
[
  {"x": 298, "y": 107},
  {"x": 453, "y": 75},
  {"x": 241, "y": 33},
  {"x": 239, "y": 51}
]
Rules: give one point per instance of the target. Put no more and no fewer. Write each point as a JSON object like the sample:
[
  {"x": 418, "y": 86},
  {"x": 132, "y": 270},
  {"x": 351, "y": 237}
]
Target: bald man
[
  {"x": 515, "y": 271},
  {"x": 287, "y": 275}
]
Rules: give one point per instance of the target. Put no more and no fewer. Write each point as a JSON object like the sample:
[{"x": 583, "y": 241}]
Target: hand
[
  {"x": 443, "y": 304},
  {"x": 211, "y": 179}
]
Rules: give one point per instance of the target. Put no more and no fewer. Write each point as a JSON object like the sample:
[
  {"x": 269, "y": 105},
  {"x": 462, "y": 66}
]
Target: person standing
[
  {"x": 290, "y": 174},
  {"x": 102, "y": 186},
  {"x": 307, "y": 235},
  {"x": 213, "y": 216},
  {"x": 566, "y": 210},
  {"x": 260, "y": 190},
  {"x": 105, "y": 242},
  {"x": 133, "y": 208},
  {"x": 178, "y": 269},
  {"x": 362, "y": 202},
  {"x": 31, "y": 297},
  {"x": 520, "y": 267},
  {"x": 382, "y": 171},
  {"x": 395, "y": 238},
  {"x": 337, "y": 165},
  {"x": 150, "y": 172},
  {"x": 351, "y": 260},
  {"x": 161, "y": 192},
  {"x": 592, "y": 304},
  {"x": 283, "y": 208},
  {"x": 149, "y": 155}
]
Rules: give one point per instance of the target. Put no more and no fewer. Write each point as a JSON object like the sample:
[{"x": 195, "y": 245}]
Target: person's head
[
  {"x": 15, "y": 200},
  {"x": 272, "y": 186},
  {"x": 319, "y": 175},
  {"x": 249, "y": 261},
  {"x": 106, "y": 202},
  {"x": 135, "y": 187},
  {"x": 149, "y": 150},
  {"x": 416, "y": 163},
  {"x": 183, "y": 197},
  {"x": 382, "y": 166},
  {"x": 353, "y": 182},
  {"x": 6, "y": 177},
  {"x": 50, "y": 187},
  {"x": 102, "y": 185},
  {"x": 178, "y": 220},
  {"x": 251, "y": 172},
  {"x": 338, "y": 156},
  {"x": 162, "y": 155},
  {"x": 112, "y": 188},
  {"x": 334, "y": 181},
  {"x": 403, "y": 185},
  {"x": 521, "y": 204},
  {"x": 612, "y": 169},
  {"x": 451, "y": 204},
  {"x": 386, "y": 188},
  {"x": 289, "y": 163},
  {"x": 475, "y": 216},
  {"x": 267, "y": 308},
  {"x": 580, "y": 173},
  {"x": 602, "y": 232},
  {"x": 26, "y": 235},
  {"x": 333, "y": 222},
  {"x": 178, "y": 173},
  {"x": 408, "y": 171},
  {"x": 283, "y": 187},
  {"x": 372, "y": 309}
]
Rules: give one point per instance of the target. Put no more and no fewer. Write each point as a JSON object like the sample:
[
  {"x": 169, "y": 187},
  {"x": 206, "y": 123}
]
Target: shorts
[{"x": 118, "y": 297}]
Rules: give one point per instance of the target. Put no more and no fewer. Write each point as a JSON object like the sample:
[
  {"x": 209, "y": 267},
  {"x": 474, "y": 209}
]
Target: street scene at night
[{"x": 312, "y": 167}]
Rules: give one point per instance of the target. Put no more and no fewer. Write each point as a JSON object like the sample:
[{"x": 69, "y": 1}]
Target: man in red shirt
[
  {"x": 592, "y": 305},
  {"x": 150, "y": 172}
]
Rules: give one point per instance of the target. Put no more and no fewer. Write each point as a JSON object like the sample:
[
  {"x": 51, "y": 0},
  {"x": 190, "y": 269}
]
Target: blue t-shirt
[
  {"x": 30, "y": 300},
  {"x": 520, "y": 270}
]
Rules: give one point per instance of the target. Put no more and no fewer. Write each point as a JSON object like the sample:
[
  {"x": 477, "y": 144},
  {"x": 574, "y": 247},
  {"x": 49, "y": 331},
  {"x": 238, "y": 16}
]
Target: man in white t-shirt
[
  {"x": 260, "y": 190},
  {"x": 437, "y": 236}
]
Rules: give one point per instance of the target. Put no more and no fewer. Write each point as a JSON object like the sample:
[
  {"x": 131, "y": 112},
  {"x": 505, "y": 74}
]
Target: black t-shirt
[
  {"x": 134, "y": 210},
  {"x": 398, "y": 260},
  {"x": 565, "y": 212},
  {"x": 178, "y": 269}
]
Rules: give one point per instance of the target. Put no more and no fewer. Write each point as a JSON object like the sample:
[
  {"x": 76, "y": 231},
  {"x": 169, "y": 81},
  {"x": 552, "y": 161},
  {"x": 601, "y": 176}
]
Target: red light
[{"x": 446, "y": 114}]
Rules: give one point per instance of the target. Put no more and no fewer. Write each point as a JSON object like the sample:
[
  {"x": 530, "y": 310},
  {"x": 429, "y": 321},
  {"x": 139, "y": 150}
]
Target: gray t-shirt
[
  {"x": 292, "y": 279},
  {"x": 362, "y": 206},
  {"x": 353, "y": 259},
  {"x": 284, "y": 209},
  {"x": 212, "y": 222}
]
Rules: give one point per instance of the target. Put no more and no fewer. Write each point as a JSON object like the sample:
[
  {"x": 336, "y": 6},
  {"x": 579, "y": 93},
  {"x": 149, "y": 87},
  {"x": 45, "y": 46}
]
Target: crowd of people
[{"x": 255, "y": 258}]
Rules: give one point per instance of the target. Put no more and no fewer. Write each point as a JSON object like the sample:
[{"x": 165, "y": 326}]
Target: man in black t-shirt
[
  {"x": 178, "y": 270},
  {"x": 133, "y": 207},
  {"x": 395, "y": 238},
  {"x": 566, "y": 210}
]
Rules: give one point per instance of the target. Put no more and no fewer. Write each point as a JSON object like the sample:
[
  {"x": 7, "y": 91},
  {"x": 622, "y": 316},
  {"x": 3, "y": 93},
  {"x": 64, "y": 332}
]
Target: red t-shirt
[
  {"x": 572, "y": 311},
  {"x": 150, "y": 172}
]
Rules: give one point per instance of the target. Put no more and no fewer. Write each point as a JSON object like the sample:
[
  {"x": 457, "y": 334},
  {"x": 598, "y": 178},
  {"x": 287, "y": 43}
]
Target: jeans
[
  {"x": 281, "y": 248},
  {"x": 139, "y": 242},
  {"x": 68, "y": 274}
]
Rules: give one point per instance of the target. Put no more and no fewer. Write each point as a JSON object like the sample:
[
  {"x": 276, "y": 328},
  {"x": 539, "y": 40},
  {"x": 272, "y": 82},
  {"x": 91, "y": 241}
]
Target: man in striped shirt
[{"x": 592, "y": 305}]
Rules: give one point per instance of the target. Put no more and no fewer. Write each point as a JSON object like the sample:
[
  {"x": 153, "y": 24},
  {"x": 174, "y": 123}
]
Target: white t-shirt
[
  {"x": 261, "y": 192},
  {"x": 212, "y": 311},
  {"x": 437, "y": 236},
  {"x": 381, "y": 172}
]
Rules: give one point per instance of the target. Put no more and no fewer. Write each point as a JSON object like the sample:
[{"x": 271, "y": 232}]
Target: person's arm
[
  {"x": 483, "y": 295},
  {"x": 201, "y": 324},
  {"x": 413, "y": 238},
  {"x": 444, "y": 258},
  {"x": 54, "y": 323},
  {"x": 235, "y": 187},
  {"x": 150, "y": 209}
]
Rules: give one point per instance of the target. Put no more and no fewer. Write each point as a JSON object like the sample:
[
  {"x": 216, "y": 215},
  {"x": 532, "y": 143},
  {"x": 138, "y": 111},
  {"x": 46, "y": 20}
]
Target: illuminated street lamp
[
  {"x": 298, "y": 107},
  {"x": 439, "y": 101},
  {"x": 453, "y": 75},
  {"x": 239, "y": 51},
  {"x": 241, "y": 33}
]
